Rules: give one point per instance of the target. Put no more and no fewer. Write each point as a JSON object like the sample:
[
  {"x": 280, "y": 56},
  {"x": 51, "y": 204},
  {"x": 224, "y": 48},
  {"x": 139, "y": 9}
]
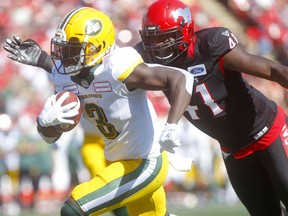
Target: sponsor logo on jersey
[
  {"x": 102, "y": 87},
  {"x": 72, "y": 88},
  {"x": 84, "y": 83},
  {"x": 197, "y": 70},
  {"x": 93, "y": 27},
  {"x": 225, "y": 155}
]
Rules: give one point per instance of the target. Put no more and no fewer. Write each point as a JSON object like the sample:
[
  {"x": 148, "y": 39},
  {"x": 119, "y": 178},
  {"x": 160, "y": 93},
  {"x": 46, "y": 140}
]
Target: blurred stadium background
[{"x": 35, "y": 177}]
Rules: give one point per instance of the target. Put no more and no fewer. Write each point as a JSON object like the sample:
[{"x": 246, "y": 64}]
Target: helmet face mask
[
  {"x": 162, "y": 47},
  {"x": 167, "y": 30},
  {"x": 81, "y": 41},
  {"x": 72, "y": 55}
]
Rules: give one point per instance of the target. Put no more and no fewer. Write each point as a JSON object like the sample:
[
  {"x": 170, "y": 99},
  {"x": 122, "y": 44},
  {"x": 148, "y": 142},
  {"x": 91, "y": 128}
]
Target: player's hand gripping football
[
  {"x": 169, "y": 138},
  {"x": 27, "y": 52},
  {"x": 54, "y": 113}
]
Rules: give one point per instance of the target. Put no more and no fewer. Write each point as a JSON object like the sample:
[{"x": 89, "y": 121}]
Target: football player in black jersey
[{"x": 251, "y": 129}]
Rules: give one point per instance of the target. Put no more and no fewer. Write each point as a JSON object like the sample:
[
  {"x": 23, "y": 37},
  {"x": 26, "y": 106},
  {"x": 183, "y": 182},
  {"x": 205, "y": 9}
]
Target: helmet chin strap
[{"x": 164, "y": 57}]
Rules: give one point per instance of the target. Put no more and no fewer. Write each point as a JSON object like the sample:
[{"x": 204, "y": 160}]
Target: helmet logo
[
  {"x": 184, "y": 13},
  {"x": 93, "y": 27}
]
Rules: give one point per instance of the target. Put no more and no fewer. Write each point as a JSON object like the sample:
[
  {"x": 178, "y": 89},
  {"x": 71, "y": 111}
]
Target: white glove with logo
[
  {"x": 169, "y": 138},
  {"x": 54, "y": 113}
]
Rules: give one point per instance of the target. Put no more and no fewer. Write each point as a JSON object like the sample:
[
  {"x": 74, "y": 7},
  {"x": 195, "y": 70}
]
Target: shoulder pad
[{"x": 218, "y": 41}]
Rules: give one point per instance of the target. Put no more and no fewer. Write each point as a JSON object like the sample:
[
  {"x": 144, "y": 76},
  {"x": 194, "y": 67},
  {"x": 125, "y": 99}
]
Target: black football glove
[{"x": 27, "y": 52}]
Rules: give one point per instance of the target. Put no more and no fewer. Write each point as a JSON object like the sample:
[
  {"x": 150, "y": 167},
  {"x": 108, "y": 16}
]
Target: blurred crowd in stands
[
  {"x": 37, "y": 176},
  {"x": 266, "y": 24}
]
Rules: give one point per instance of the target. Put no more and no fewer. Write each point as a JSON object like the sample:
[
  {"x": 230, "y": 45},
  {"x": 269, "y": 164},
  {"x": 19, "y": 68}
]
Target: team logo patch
[
  {"x": 184, "y": 13},
  {"x": 226, "y": 33},
  {"x": 225, "y": 155},
  {"x": 102, "y": 87},
  {"x": 93, "y": 27},
  {"x": 198, "y": 70},
  {"x": 72, "y": 88}
]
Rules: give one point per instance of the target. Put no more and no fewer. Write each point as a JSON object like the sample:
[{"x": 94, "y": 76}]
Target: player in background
[
  {"x": 111, "y": 84},
  {"x": 250, "y": 128}
]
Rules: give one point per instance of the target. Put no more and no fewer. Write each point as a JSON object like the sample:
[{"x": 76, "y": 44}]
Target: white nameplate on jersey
[
  {"x": 197, "y": 70},
  {"x": 102, "y": 87},
  {"x": 72, "y": 88}
]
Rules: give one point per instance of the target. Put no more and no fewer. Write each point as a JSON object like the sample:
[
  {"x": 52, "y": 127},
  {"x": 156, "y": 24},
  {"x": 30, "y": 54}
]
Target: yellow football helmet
[{"x": 82, "y": 39}]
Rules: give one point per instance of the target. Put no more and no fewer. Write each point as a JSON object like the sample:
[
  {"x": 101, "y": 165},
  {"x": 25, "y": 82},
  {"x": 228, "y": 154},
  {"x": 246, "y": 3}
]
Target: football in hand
[{"x": 64, "y": 127}]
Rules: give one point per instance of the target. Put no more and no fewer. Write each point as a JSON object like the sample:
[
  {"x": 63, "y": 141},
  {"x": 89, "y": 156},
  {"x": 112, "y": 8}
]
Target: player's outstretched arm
[
  {"x": 28, "y": 52},
  {"x": 178, "y": 82},
  {"x": 180, "y": 85},
  {"x": 240, "y": 60}
]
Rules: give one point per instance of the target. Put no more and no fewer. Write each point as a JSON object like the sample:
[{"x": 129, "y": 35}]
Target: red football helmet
[{"x": 167, "y": 30}]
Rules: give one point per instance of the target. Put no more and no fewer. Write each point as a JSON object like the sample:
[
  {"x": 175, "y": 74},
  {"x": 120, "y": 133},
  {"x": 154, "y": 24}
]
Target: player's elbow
[{"x": 186, "y": 79}]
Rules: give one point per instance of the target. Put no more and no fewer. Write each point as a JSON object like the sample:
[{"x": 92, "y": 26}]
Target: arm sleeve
[{"x": 45, "y": 62}]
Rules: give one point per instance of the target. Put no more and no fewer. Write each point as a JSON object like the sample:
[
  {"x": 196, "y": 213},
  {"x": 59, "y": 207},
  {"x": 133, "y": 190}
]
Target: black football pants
[{"x": 261, "y": 180}]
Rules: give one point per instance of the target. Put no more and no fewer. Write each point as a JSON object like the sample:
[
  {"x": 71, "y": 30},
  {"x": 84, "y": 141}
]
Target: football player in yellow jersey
[
  {"x": 92, "y": 149},
  {"x": 111, "y": 84}
]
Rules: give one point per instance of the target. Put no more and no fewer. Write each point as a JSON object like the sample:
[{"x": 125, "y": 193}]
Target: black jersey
[{"x": 223, "y": 104}]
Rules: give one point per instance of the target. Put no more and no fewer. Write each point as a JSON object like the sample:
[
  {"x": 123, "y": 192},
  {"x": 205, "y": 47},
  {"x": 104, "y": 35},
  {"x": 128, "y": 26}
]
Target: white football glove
[
  {"x": 54, "y": 113},
  {"x": 169, "y": 138}
]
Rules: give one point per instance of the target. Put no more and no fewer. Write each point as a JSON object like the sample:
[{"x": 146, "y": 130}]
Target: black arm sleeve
[{"x": 45, "y": 62}]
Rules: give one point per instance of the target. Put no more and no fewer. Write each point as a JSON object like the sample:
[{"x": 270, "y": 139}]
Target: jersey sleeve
[
  {"x": 222, "y": 42},
  {"x": 123, "y": 62}
]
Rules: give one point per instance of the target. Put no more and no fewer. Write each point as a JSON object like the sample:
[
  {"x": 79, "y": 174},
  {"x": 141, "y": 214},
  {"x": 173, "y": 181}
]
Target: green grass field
[{"x": 211, "y": 210}]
